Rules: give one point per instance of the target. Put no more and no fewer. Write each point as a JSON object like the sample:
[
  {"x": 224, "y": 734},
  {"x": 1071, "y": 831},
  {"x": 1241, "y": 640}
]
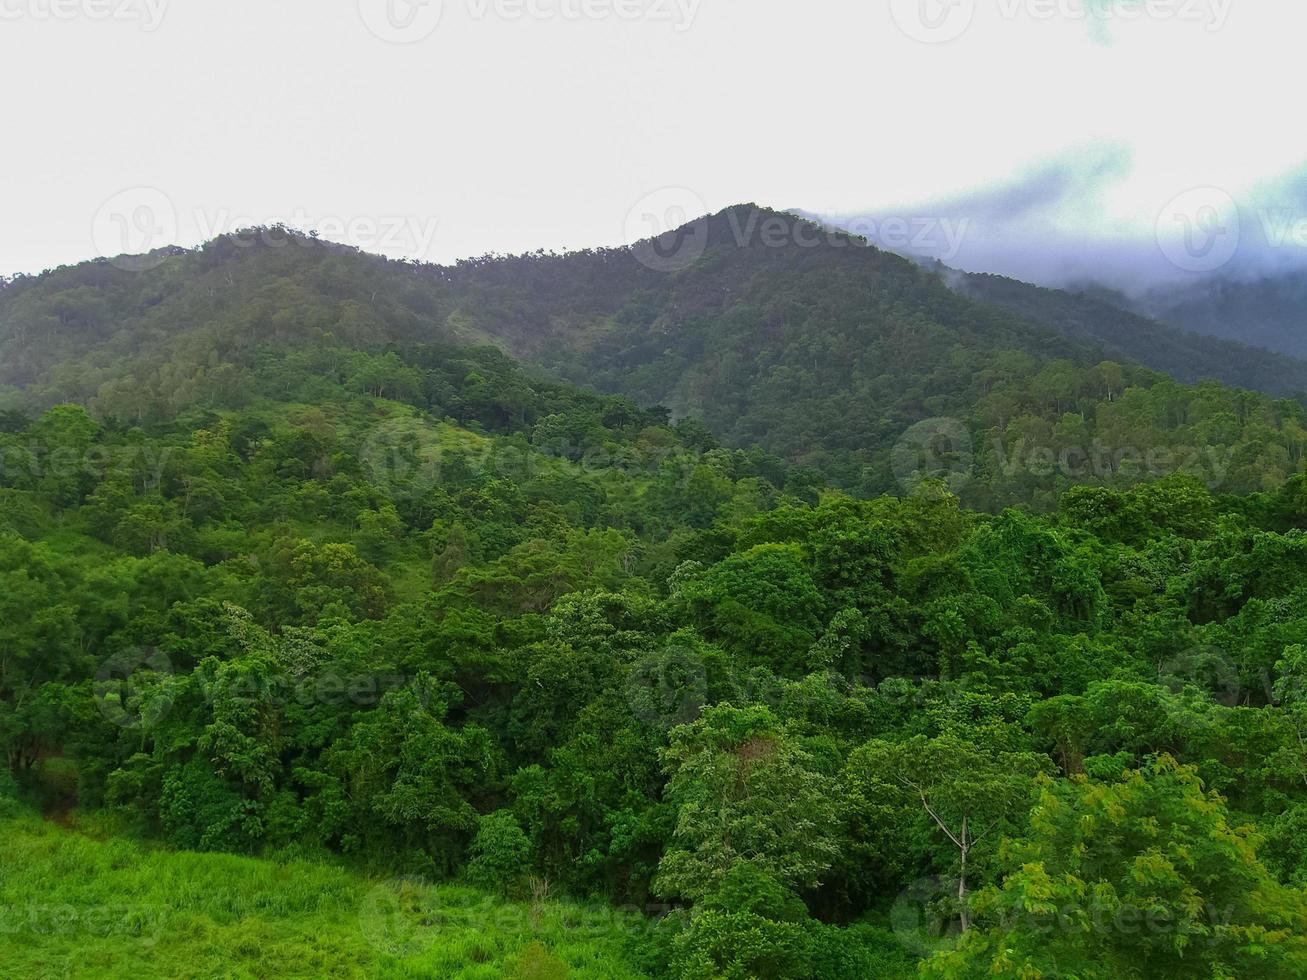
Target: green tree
[
  {"x": 500, "y": 852},
  {"x": 1141, "y": 878},
  {"x": 744, "y": 792}
]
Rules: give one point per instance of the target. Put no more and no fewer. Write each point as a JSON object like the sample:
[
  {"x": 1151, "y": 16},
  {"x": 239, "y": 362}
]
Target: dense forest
[
  {"x": 858, "y": 629},
  {"x": 779, "y": 335},
  {"x": 1096, "y": 315}
]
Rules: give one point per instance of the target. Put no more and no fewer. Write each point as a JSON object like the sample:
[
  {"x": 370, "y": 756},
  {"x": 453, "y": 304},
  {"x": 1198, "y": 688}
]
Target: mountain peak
[{"x": 752, "y": 225}]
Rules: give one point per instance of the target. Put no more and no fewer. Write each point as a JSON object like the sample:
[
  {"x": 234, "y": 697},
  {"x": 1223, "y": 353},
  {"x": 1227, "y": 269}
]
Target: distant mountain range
[
  {"x": 1270, "y": 312},
  {"x": 1257, "y": 309},
  {"x": 772, "y": 330},
  {"x": 1124, "y": 327}
]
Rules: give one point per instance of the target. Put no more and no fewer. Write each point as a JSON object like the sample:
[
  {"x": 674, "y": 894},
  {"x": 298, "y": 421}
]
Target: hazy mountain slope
[
  {"x": 1270, "y": 312},
  {"x": 1184, "y": 354}
]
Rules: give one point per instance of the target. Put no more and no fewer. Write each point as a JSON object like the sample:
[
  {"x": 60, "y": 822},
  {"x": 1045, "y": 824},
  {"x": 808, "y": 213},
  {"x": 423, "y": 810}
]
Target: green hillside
[
  {"x": 92, "y": 906},
  {"x": 778, "y": 335},
  {"x": 1093, "y": 317},
  {"x": 303, "y": 591}
]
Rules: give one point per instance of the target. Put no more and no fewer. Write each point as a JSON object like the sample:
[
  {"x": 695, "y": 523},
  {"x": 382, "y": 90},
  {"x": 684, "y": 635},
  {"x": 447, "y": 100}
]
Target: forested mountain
[
  {"x": 1270, "y": 311},
  {"x": 307, "y": 564},
  {"x": 1190, "y": 354},
  {"x": 772, "y": 331}
]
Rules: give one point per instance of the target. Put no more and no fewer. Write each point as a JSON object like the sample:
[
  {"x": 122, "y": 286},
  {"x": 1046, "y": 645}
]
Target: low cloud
[{"x": 1055, "y": 225}]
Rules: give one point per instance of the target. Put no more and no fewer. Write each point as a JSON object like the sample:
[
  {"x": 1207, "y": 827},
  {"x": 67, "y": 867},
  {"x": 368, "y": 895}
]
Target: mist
[{"x": 1081, "y": 218}]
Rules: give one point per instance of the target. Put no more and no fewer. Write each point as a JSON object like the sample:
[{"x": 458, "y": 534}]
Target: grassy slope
[{"x": 75, "y": 906}]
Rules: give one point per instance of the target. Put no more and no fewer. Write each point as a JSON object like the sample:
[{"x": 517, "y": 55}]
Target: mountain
[
  {"x": 333, "y": 570},
  {"x": 771, "y": 330},
  {"x": 1270, "y": 311},
  {"x": 1100, "y": 317}
]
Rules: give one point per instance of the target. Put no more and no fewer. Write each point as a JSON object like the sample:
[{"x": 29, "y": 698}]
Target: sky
[{"x": 450, "y": 128}]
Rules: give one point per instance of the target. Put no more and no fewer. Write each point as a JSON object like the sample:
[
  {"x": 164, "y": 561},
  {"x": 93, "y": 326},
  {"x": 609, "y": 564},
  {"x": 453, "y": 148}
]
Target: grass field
[{"x": 72, "y": 905}]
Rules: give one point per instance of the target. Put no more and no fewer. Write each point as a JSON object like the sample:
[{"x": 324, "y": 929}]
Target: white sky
[{"x": 518, "y": 124}]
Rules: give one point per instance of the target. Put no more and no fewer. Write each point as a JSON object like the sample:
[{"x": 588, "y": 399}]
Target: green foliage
[
  {"x": 77, "y": 906},
  {"x": 746, "y": 793},
  {"x": 365, "y": 593},
  {"x": 1143, "y": 877},
  {"x": 500, "y": 852}
]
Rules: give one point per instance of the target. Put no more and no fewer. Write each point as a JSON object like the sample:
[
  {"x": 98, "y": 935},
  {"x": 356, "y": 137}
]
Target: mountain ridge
[{"x": 773, "y": 331}]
